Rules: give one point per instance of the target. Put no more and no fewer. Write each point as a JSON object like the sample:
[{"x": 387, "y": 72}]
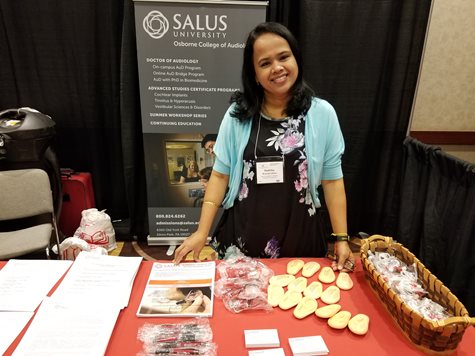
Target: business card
[
  {"x": 308, "y": 346},
  {"x": 261, "y": 338},
  {"x": 268, "y": 352}
]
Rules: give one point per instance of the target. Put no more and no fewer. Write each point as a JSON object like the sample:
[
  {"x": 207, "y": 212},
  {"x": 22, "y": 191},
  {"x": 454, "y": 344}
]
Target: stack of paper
[
  {"x": 80, "y": 316},
  {"x": 59, "y": 330},
  {"x": 11, "y": 325},
  {"x": 267, "y": 352},
  {"x": 23, "y": 285},
  {"x": 98, "y": 280},
  {"x": 308, "y": 346},
  {"x": 261, "y": 338}
]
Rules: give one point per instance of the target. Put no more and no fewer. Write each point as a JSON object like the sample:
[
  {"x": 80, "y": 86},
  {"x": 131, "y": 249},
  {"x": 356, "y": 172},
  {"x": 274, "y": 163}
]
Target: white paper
[
  {"x": 179, "y": 290},
  {"x": 24, "y": 283},
  {"x": 267, "y": 352},
  {"x": 308, "y": 345},
  {"x": 11, "y": 324},
  {"x": 261, "y": 338},
  {"x": 68, "y": 330},
  {"x": 98, "y": 279}
]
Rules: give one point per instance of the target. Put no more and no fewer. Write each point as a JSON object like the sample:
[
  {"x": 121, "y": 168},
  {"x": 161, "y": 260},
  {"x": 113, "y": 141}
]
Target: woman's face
[
  {"x": 204, "y": 183},
  {"x": 275, "y": 65}
]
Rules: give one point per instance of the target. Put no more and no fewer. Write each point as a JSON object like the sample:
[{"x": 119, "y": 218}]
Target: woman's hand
[
  {"x": 344, "y": 261},
  {"x": 195, "y": 242}
]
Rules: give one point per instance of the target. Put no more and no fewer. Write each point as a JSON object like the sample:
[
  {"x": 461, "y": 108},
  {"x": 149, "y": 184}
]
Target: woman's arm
[
  {"x": 213, "y": 198},
  {"x": 335, "y": 198}
]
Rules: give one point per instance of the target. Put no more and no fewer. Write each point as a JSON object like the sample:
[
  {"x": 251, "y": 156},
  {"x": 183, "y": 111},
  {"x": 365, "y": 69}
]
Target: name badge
[{"x": 269, "y": 169}]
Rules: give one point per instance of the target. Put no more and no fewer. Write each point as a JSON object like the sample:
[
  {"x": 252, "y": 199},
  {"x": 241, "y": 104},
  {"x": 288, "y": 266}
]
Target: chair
[{"x": 27, "y": 218}]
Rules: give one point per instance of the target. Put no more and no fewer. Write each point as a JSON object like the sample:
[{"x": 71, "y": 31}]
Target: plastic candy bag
[
  {"x": 188, "y": 338},
  {"x": 71, "y": 247},
  {"x": 243, "y": 282},
  {"x": 404, "y": 281},
  {"x": 96, "y": 229}
]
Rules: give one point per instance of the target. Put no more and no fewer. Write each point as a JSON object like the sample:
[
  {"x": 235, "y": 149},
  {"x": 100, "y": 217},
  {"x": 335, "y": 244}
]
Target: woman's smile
[{"x": 275, "y": 66}]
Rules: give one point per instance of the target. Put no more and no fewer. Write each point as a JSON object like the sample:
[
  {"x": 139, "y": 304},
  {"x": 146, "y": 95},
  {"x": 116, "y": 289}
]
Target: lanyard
[
  {"x": 257, "y": 140},
  {"x": 269, "y": 169}
]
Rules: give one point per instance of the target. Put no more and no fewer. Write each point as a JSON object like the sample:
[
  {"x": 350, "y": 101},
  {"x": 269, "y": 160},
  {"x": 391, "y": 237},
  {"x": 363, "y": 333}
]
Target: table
[{"x": 383, "y": 338}]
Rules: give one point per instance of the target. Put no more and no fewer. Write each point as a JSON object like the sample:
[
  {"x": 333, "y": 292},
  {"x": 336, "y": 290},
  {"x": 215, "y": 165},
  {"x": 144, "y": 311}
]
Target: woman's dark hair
[
  {"x": 205, "y": 173},
  {"x": 248, "y": 102},
  {"x": 207, "y": 138}
]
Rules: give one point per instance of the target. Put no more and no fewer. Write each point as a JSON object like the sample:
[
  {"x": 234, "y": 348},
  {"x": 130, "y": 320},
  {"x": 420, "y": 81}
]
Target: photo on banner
[{"x": 189, "y": 61}]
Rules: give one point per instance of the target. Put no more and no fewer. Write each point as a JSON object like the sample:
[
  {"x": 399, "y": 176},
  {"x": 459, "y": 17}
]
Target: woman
[
  {"x": 204, "y": 175},
  {"x": 277, "y": 143},
  {"x": 190, "y": 174}
]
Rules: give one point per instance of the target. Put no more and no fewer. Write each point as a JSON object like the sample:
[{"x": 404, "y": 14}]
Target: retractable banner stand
[{"x": 189, "y": 61}]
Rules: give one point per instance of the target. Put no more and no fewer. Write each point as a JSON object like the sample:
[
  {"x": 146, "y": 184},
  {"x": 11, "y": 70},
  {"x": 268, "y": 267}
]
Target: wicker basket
[{"x": 440, "y": 336}]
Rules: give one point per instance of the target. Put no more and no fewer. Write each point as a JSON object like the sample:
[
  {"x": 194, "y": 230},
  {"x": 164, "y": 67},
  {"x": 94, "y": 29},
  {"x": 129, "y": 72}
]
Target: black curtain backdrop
[
  {"x": 76, "y": 61},
  {"x": 363, "y": 57},
  {"x": 437, "y": 216}
]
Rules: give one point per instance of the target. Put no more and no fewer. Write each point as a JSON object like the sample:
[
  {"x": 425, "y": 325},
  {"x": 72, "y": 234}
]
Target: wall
[{"x": 445, "y": 97}]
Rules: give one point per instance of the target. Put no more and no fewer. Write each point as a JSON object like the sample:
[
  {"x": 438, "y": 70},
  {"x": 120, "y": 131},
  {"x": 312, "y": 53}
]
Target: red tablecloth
[{"x": 383, "y": 338}]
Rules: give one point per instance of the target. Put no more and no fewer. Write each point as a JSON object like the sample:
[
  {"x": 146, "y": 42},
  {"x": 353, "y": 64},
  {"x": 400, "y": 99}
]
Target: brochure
[{"x": 181, "y": 290}]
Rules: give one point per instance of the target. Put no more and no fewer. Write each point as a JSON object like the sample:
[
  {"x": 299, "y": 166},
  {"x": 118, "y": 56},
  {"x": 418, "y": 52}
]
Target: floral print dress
[{"x": 277, "y": 219}]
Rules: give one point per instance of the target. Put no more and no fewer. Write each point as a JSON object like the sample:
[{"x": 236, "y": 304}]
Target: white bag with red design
[
  {"x": 96, "y": 229},
  {"x": 71, "y": 247}
]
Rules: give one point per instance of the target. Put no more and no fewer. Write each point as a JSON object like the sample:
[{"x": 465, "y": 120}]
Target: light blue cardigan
[{"x": 324, "y": 146}]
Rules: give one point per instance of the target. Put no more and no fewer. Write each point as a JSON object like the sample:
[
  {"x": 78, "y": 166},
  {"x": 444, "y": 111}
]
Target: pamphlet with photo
[{"x": 181, "y": 290}]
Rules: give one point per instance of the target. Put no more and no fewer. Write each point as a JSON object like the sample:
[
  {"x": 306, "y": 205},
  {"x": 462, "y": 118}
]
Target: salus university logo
[{"x": 155, "y": 24}]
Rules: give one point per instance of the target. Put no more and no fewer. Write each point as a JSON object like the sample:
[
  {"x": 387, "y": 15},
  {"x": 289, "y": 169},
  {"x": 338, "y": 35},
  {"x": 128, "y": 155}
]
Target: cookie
[
  {"x": 294, "y": 266},
  {"x": 310, "y": 268},
  {"x": 339, "y": 320},
  {"x": 326, "y": 275},
  {"x": 290, "y": 299},
  {"x": 274, "y": 294},
  {"x": 281, "y": 279},
  {"x": 331, "y": 295},
  {"x": 359, "y": 324},
  {"x": 305, "y": 307},
  {"x": 344, "y": 281},
  {"x": 314, "y": 290},
  {"x": 328, "y": 311},
  {"x": 298, "y": 284}
]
